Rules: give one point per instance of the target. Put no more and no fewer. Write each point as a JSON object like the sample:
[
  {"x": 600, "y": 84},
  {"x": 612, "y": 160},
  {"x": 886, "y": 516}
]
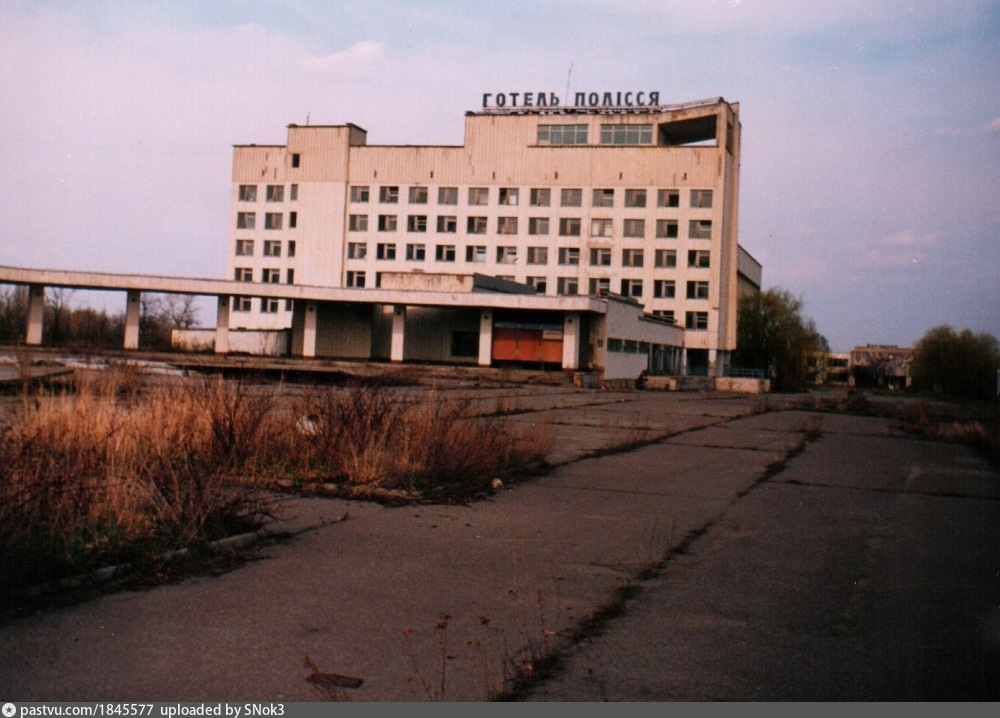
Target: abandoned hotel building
[{"x": 596, "y": 236}]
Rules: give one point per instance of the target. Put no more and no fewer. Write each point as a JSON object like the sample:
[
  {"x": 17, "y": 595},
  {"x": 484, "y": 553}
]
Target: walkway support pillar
[
  {"x": 36, "y": 315},
  {"x": 571, "y": 341},
  {"x": 398, "y": 332},
  {"x": 133, "y": 310},
  {"x": 222, "y": 325},
  {"x": 486, "y": 337},
  {"x": 309, "y": 331}
]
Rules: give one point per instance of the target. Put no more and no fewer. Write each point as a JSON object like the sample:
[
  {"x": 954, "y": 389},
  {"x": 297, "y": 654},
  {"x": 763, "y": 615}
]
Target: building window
[
  {"x": 567, "y": 286},
  {"x": 476, "y": 225},
  {"x": 538, "y": 255},
  {"x": 356, "y": 280},
  {"x": 293, "y": 192},
  {"x": 600, "y": 227},
  {"x": 475, "y": 253},
  {"x": 248, "y": 193},
  {"x": 242, "y": 304},
  {"x": 562, "y": 134},
  {"x": 569, "y": 255},
  {"x": 538, "y": 225},
  {"x": 270, "y": 276},
  {"x": 541, "y": 197},
  {"x": 275, "y": 193},
  {"x": 696, "y": 320},
  {"x": 293, "y": 220},
  {"x": 539, "y": 283},
  {"x": 599, "y": 286},
  {"x": 243, "y": 274},
  {"x": 700, "y": 229},
  {"x": 665, "y": 258},
  {"x": 272, "y": 220},
  {"x": 447, "y": 195},
  {"x": 289, "y": 276},
  {"x": 569, "y": 227},
  {"x": 244, "y": 247},
  {"x": 571, "y": 197},
  {"x": 388, "y": 195},
  {"x": 444, "y": 253},
  {"x": 272, "y": 248},
  {"x": 385, "y": 251},
  {"x": 418, "y": 195},
  {"x": 604, "y": 198},
  {"x": 508, "y": 196},
  {"x": 246, "y": 220},
  {"x": 357, "y": 250},
  {"x": 666, "y": 314},
  {"x": 291, "y": 248},
  {"x": 479, "y": 196},
  {"x": 416, "y": 252},
  {"x": 631, "y": 257},
  {"x": 664, "y": 289},
  {"x": 634, "y": 228},
  {"x": 699, "y": 258},
  {"x": 668, "y": 198},
  {"x": 666, "y": 229},
  {"x": 296, "y": 160},
  {"x": 447, "y": 225},
  {"x": 632, "y": 288},
  {"x": 506, "y": 255},
  {"x": 506, "y": 225},
  {"x": 701, "y": 198},
  {"x": 635, "y": 198},
  {"x": 359, "y": 193},
  {"x": 387, "y": 223},
  {"x": 697, "y": 290},
  {"x": 600, "y": 257},
  {"x": 357, "y": 223},
  {"x": 416, "y": 223},
  {"x": 626, "y": 134}
]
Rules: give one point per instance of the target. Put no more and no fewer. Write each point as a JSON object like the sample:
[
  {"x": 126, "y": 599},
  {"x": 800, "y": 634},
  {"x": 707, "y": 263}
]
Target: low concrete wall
[
  {"x": 262, "y": 343},
  {"x": 742, "y": 385},
  {"x": 678, "y": 383}
]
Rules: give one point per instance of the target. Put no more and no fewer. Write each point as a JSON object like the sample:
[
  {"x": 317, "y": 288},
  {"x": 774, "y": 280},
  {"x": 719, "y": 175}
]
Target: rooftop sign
[{"x": 549, "y": 100}]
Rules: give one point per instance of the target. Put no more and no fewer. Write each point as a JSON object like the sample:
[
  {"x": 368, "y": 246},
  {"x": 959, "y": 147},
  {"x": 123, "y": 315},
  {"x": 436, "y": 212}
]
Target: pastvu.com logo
[{"x": 9, "y": 709}]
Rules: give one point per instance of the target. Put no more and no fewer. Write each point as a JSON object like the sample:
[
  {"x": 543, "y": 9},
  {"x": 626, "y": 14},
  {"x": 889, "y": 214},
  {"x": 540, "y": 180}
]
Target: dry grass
[{"x": 116, "y": 470}]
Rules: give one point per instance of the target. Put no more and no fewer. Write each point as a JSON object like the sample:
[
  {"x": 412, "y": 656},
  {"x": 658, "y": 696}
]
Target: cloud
[
  {"x": 903, "y": 249},
  {"x": 992, "y": 128},
  {"x": 359, "y": 59}
]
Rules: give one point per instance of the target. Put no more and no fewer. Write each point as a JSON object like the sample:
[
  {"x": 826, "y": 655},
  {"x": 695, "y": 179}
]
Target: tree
[
  {"x": 960, "y": 364},
  {"x": 772, "y": 335}
]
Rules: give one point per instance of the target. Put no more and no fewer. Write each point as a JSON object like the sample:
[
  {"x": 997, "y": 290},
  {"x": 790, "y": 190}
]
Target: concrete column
[
  {"x": 713, "y": 364},
  {"x": 133, "y": 309},
  {"x": 486, "y": 337},
  {"x": 571, "y": 341},
  {"x": 222, "y": 325},
  {"x": 684, "y": 362},
  {"x": 398, "y": 332},
  {"x": 309, "y": 330},
  {"x": 36, "y": 315}
]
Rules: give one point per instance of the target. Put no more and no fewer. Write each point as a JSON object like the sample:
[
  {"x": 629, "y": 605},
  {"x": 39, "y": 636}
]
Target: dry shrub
[
  {"x": 376, "y": 437},
  {"x": 100, "y": 476}
]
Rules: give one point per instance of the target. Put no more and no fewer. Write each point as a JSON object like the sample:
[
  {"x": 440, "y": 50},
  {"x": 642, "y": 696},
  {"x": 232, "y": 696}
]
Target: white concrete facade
[{"x": 637, "y": 201}]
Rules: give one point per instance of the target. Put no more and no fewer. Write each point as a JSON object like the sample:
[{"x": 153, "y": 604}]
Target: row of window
[
  {"x": 537, "y": 226},
  {"x": 537, "y": 197},
  {"x": 268, "y": 305},
  {"x": 272, "y": 248},
  {"x": 272, "y": 193},
  {"x": 567, "y": 256},
  {"x": 610, "y": 134},
  {"x": 272, "y": 220},
  {"x": 267, "y": 275}
]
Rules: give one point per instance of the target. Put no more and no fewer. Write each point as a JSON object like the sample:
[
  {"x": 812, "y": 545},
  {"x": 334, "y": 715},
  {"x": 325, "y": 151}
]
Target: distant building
[
  {"x": 635, "y": 199},
  {"x": 830, "y": 368},
  {"x": 881, "y": 365}
]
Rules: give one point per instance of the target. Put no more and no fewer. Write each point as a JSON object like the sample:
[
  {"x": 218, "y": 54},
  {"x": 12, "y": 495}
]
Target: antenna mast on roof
[{"x": 568, "y": 75}]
